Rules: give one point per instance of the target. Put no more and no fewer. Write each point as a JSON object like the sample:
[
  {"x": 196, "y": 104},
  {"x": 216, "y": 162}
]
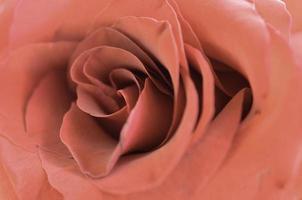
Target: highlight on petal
[
  {"x": 294, "y": 7},
  {"x": 189, "y": 35},
  {"x": 6, "y": 18},
  {"x": 44, "y": 21},
  {"x": 296, "y": 43},
  {"x": 6, "y": 187},
  {"x": 275, "y": 14}
]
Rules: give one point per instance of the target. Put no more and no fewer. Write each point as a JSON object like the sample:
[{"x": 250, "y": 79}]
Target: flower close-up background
[{"x": 151, "y": 99}]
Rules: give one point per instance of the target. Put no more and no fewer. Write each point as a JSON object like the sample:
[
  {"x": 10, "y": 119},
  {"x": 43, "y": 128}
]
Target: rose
[{"x": 169, "y": 81}]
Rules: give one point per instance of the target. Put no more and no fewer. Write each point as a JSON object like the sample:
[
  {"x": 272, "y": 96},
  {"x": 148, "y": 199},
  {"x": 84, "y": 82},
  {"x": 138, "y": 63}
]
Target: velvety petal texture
[{"x": 150, "y": 99}]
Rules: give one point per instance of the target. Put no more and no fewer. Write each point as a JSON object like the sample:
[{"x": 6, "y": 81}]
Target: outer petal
[
  {"x": 20, "y": 73},
  {"x": 63, "y": 175},
  {"x": 46, "y": 108},
  {"x": 294, "y": 7},
  {"x": 45, "y": 21},
  {"x": 6, "y": 17},
  {"x": 6, "y": 187},
  {"x": 296, "y": 42},
  {"x": 275, "y": 14},
  {"x": 226, "y": 29},
  {"x": 25, "y": 173},
  {"x": 267, "y": 151}
]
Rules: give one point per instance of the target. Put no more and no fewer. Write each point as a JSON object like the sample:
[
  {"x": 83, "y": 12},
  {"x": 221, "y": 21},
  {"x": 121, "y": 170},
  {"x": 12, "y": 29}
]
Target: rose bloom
[{"x": 151, "y": 99}]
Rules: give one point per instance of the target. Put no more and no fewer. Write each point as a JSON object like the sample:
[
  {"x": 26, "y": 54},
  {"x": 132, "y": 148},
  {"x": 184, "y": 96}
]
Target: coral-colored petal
[
  {"x": 6, "y": 18},
  {"x": 296, "y": 42},
  {"x": 143, "y": 172},
  {"x": 93, "y": 149},
  {"x": 64, "y": 175},
  {"x": 149, "y": 32},
  {"x": 158, "y": 9},
  {"x": 100, "y": 61},
  {"x": 46, "y": 108},
  {"x": 189, "y": 37},
  {"x": 6, "y": 187},
  {"x": 130, "y": 95},
  {"x": 149, "y": 121},
  {"x": 92, "y": 100},
  {"x": 276, "y": 15},
  {"x": 233, "y": 33},
  {"x": 113, "y": 38},
  {"x": 207, "y": 155},
  {"x": 25, "y": 173},
  {"x": 21, "y": 71},
  {"x": 207, "y": 107},
  {"x": 267, "y": 151},
  {"x": 45, "y": 21},
  {"x": 294, "y": 7}
]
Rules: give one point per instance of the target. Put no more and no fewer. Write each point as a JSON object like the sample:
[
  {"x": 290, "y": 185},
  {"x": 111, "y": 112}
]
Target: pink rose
[{"x": 150, "y": 99}]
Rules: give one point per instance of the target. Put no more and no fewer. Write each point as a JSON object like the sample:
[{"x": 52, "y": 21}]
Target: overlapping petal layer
[{"x": 162, "y": 99}]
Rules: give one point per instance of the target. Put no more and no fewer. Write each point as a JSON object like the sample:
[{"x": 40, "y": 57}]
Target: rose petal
[
  {"x": 102, "y": 60},
  {"x": 20, "y": 73},
  {"x": 157, "y": 9},
  {"x": 270, "y": 172},
  {"x": 93, "y": 149},
  {"x": 147, "y": 171},
  {"x": 93, "y": 101},
  {"x": 130, "y": 95},
  {"x": 46, "y": 108},
  {"x": 65, "y": 177},
  {"x": 112, "y": 122},
  {"x": 44, "y": 21},
  {"x": 149, "y": 32},
  {"x": 159, "y": 33},
  {"x": 296, "y": 42},
  {"x": 25, "y": 173},
  {"x": 207, "y": 107},
  {"x": 113, "y": 38},
  {"x": 207, "y": 155},
  {"x": 189, "y": 37},
  {"x": 121, "y": 78},
  {"x": 275, "y": 14},
  {"x": 149, "y": 121},
  {"x": 294, "y": 7},
  {"x": 6, "y": 187},
  {"x": 241, "y": 25},
  {"x": 6, "y": 17}
]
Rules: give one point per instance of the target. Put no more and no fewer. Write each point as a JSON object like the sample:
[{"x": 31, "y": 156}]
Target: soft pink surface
[{"x": 147, "y": 99}]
